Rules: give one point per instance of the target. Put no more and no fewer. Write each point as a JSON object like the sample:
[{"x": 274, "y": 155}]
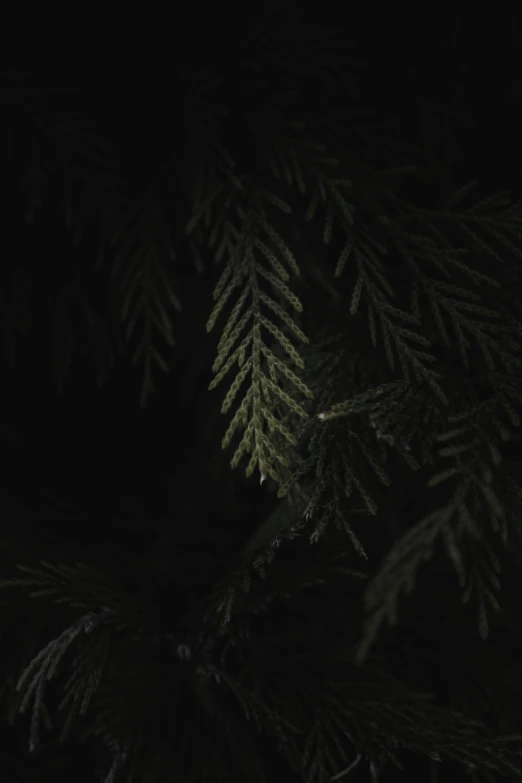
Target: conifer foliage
[{"x": 368, "y": 353}]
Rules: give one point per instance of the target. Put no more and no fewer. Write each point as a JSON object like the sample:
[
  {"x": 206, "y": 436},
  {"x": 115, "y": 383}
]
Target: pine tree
[{"x": 366, "y": 330}]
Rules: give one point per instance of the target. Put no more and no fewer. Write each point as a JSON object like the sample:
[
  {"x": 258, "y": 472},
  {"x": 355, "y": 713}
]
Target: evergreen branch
[
  {"x": 366, "y": 713},
  {"x": 78, "y": 585},
  {"x": 337, "y": 448},
  {"x": 398, "y": 570},
  {"x": 42, "y": 668},
  {"x": 490, "y": 227},
  {"x": 482, "y": 323},
  {"x": 143, "y": 248},
  {"x": 88, "y": 668},
  {"x": 409, "y": 356},
  {"x": 255, "y": 411},
  {"x": 470, "y": 444}
]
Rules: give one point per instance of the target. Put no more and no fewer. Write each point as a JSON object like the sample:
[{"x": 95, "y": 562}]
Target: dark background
[
  {"x": 87, "y": 473},
  {"x": 418, "y": 78}
]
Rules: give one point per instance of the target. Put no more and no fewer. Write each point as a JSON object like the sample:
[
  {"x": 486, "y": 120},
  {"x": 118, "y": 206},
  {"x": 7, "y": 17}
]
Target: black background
[{"x": 89, "y": 474}]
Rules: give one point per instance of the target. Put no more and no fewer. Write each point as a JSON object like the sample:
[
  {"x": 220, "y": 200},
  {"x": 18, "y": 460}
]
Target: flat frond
[{"x": 252, "y": 341}]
